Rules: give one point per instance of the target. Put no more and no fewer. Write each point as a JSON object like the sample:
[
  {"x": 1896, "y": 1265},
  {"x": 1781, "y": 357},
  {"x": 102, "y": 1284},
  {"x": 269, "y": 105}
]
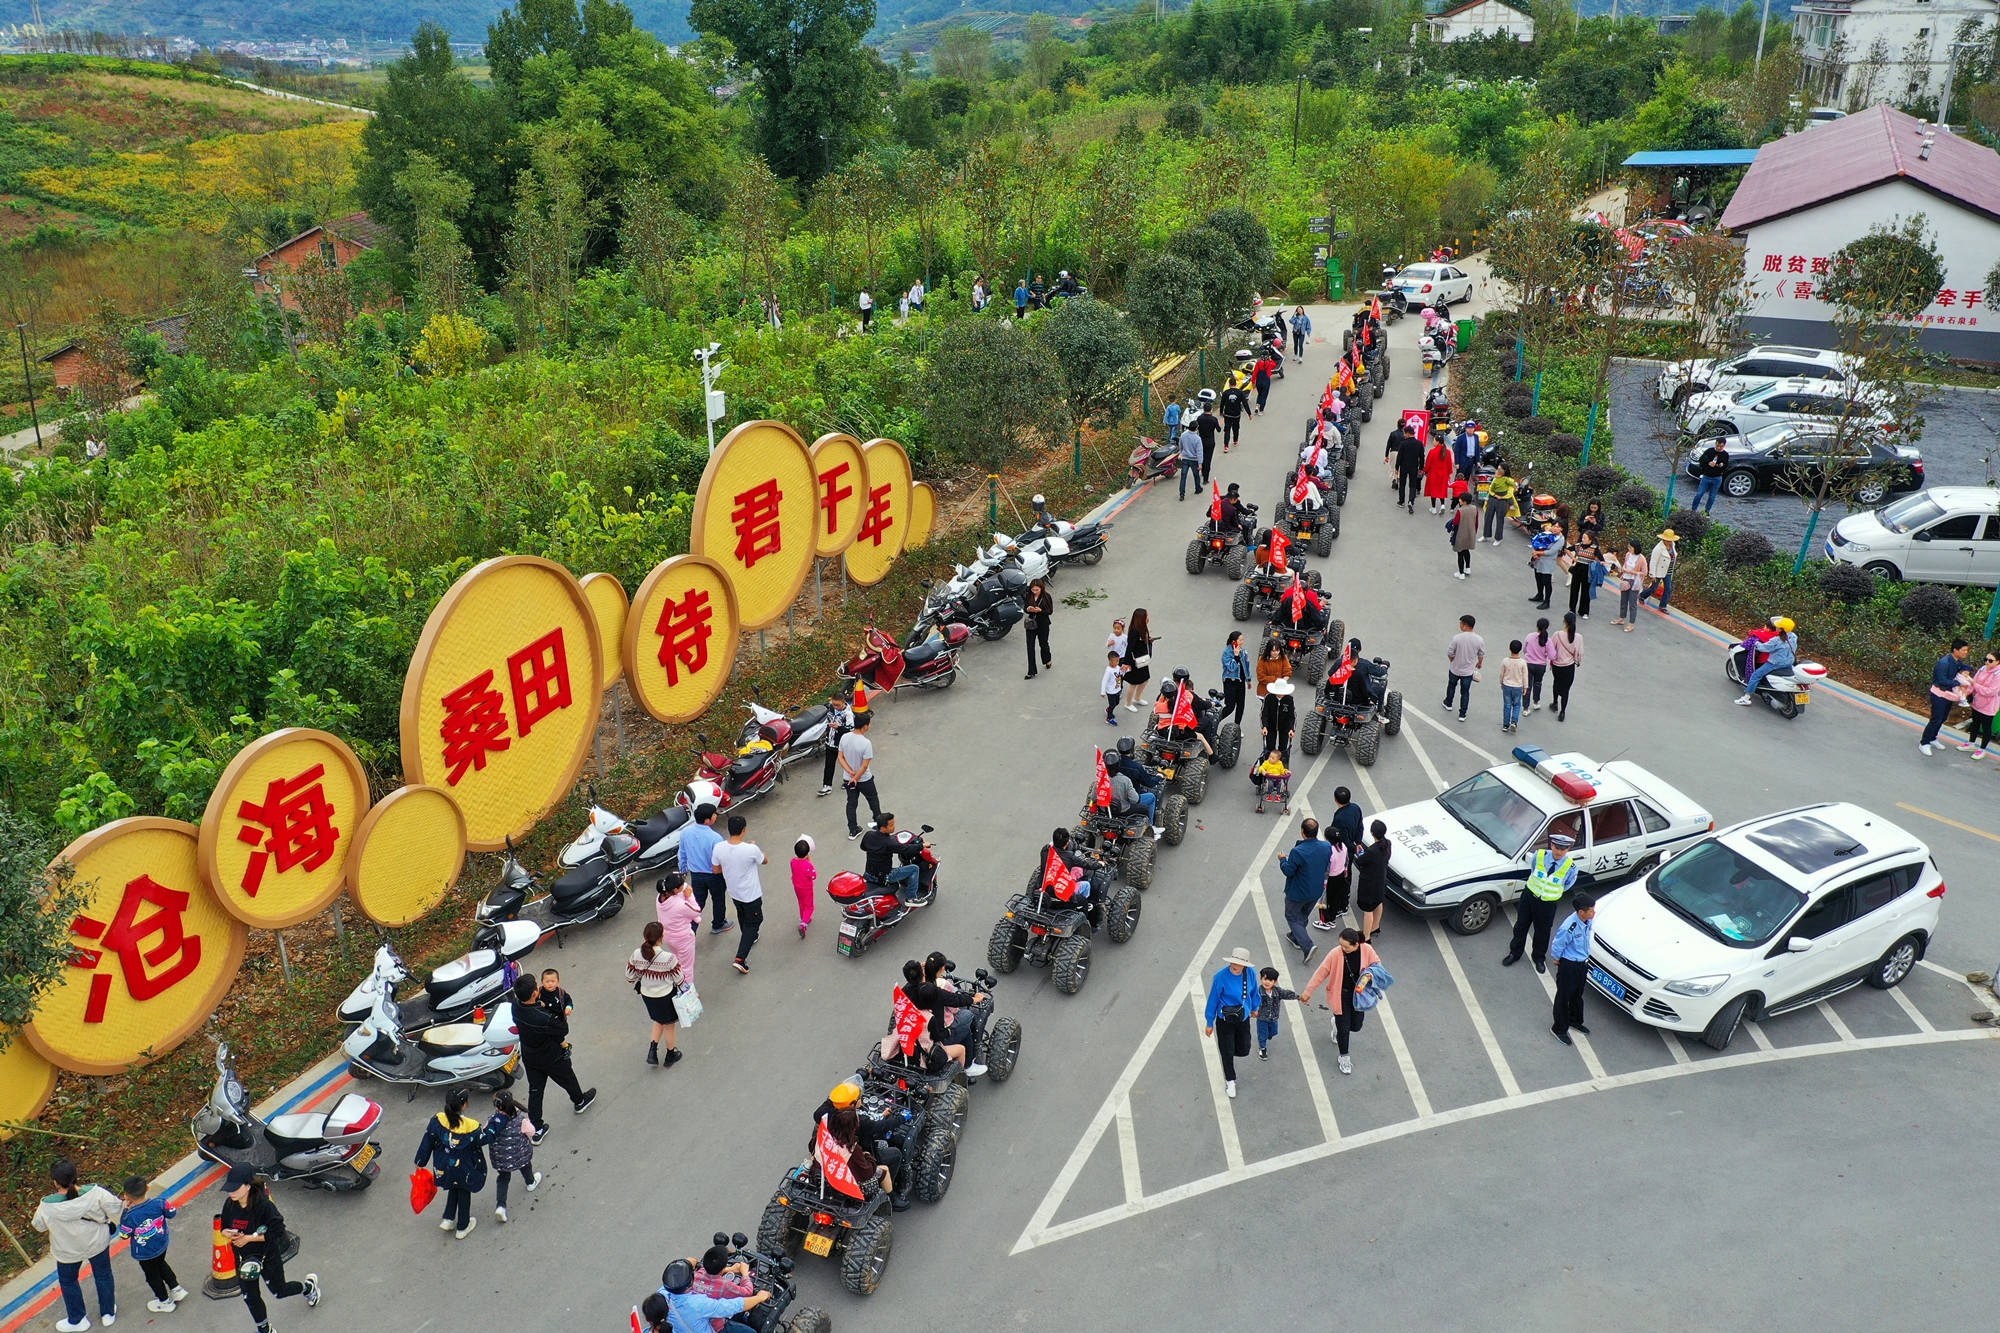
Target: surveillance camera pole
[{"x": 711, "y": 366}]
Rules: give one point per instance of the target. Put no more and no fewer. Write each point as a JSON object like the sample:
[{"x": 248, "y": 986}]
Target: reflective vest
[{"x": 1547, "y": 880}]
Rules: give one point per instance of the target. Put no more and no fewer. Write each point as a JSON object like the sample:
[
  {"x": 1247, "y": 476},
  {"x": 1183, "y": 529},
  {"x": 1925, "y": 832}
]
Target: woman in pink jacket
[
  {"x": 1985, "y": 700},
  {"x": 680, "y": 914},
  {"x": 1340, "y": 976},
  {"x": 1539, "y": 649}
]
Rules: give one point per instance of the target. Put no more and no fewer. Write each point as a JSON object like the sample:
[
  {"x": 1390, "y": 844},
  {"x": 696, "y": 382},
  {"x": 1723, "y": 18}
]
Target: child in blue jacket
[{"x": 144, "y": 1223}]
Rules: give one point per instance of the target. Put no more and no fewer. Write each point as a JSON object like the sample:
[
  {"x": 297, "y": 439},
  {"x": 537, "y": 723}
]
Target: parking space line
[
  {"x": 1508, "y": 1083},
  {"x": 1942, "y": 819},
  {"x": 1225, "y": 1117},
  {"x": 1422, "y": 716},
  {"x": 1418, "y": 1098},
  {"x": 1756, "y": 1031},
  {"x": 1424, "y": 760},
  {"x": 1675, "y": 1047},
  {"x": 1916, "y": 1014},
  {"x": 1981, "y": 994},
  {"x": 1315, "y": 1081},
  {"x": 1840, "y": 1029},
  {"x": 1128, "y": 1153},
  {"x": 1582, "y": 1043}
]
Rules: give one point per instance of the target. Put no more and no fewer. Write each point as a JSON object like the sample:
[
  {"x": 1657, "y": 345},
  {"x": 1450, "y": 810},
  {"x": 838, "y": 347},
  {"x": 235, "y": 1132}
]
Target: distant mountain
[{"x": 293, "y": 20}]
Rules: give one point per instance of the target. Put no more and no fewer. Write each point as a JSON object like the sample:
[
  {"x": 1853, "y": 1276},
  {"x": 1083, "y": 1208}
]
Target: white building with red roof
[
  {"x": 1479, "y": 18},
  {"x": 1809, "y": 194}
]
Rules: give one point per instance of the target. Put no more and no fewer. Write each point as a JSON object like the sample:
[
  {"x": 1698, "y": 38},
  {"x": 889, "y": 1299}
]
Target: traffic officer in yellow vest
[{"x": 1553, "y": 875}]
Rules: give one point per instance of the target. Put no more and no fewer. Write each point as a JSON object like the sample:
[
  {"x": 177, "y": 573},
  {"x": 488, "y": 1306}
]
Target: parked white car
[
  {"x": 1427, "y": 284},
  {"x": 1765, "y": 401},
  {"x": 1681, "y": 380},
  {"x": 1765, "y": 917},
  {"x": 1947, "y": 534}
]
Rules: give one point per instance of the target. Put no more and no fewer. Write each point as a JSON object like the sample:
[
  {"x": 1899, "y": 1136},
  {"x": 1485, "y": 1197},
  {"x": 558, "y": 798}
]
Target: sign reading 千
[{"x": 843, "y": 488}]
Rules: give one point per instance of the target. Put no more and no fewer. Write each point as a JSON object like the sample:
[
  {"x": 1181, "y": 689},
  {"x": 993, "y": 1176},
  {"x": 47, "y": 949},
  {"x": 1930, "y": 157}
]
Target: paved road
[{"x": 1469, "y": 1171}]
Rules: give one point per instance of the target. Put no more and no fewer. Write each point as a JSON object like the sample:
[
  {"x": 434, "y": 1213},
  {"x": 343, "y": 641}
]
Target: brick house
[
  {"x": 66, "y": 363},
  {"x": 339, "y": 241}
]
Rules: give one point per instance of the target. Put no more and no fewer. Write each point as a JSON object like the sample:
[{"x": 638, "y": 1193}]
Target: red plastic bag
[{"x": 423, "y": 1188}]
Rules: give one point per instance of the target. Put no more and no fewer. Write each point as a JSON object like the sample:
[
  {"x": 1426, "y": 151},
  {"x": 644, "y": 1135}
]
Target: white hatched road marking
[
  {"x": 1423, "y": 757},
  {"x": 1756, "y": 1031},
  {"x": 1473, "y": 1007},
  {"x": 1675, "y": 1047},
  {"x": 1833, "y": 1020},
  {"x": 1225, "y": 1114},
  {"x": 1421, "y": 716},
  {"x": 1128, "y": 1153},
  {"x": 1418, "y": 1098},
  {"x": 1915, "y": 1015},
  {"x": 1315, "y": 1080}
]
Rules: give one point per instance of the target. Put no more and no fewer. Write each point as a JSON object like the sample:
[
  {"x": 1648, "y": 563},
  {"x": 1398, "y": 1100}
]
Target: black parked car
[{"x": 1792, "y": 456}]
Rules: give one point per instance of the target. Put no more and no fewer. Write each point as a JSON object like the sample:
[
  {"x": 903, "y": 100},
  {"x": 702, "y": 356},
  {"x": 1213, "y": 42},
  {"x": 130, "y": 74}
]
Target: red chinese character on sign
[
  {"x": 756, "y": 520},
  {"x": 1973, "y": 297},
  {"x": 126, "y": 937},
  {"x": 539, "y": 675},
  {"x": 1802, "y": 290},
  {"x": 475, "y": 725},
  {"x": 1795, "y": 264},
  {"x": 1774, "y": 263},
  {"x": 295, "y": 827},
  {"x": 1948, "y": 296},
  {"x": 876, "y": 522},
  {"x": 831, "y": 493},
  {"x": 684, "y": 634},
  {"x": 1820, "y": 266}
]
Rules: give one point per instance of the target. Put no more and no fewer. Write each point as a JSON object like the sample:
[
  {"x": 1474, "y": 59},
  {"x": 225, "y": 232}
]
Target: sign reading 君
[{"x": 756, "y": 515}]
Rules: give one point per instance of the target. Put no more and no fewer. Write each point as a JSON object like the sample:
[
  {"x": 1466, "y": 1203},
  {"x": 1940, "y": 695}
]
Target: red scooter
[
  {"x": 741, "y": 777},
  {"x": 868, "y": 907},
  {"x": 1152, "y": 459},
  {"x": 930, "y": 664}
]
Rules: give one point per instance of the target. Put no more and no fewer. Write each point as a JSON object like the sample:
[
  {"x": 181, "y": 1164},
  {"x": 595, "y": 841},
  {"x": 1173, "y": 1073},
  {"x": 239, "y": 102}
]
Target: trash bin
[
  {"x": 1465, "y": 328},
  {"x": 1336, "y": 283}
]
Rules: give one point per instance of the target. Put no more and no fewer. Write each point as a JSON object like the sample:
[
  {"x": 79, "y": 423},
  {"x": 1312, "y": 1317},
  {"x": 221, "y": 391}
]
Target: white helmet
[
  {"x": 1206, "y": 395},
  {"x": 1037, "y": 500}
]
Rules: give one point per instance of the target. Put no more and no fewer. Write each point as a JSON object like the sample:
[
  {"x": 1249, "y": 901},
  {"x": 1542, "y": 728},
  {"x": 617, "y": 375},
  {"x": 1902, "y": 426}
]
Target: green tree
[
  {"x": 969, "y": 358},
  {"x": 37, "y": 904},
  {"x": 868, "y": 200},
  {"x": 446, "y": 281},
  {"x": 817, "y": 84},
  {"x": 963, "y": 53},
  {"x": 757, "y": 209},
  {"x": 1164, "y": 298},
  {"x": 553, "y": 220},
  {"x": 988, "y": 205},
  {"x": 1101, "y": 360},
  {"x": 1044, "y": 50},
  {"x": 1109, "y": 197},
  {"x": 1252, "y": 239},
  {"x": 653, "y": 238},
  {"x": 924, "y": 182}
]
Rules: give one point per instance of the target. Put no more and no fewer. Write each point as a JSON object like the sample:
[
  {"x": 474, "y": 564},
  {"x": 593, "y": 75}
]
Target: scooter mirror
[{"x": 739, "y": 1240}]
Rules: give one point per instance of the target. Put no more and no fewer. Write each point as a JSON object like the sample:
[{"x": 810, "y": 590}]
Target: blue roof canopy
[{"x": 1705, "y": 157}]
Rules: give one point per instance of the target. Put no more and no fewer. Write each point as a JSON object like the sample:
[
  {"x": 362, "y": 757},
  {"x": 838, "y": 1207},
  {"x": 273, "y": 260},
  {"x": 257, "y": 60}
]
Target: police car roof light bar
[{"x": 1571, "y": 783}]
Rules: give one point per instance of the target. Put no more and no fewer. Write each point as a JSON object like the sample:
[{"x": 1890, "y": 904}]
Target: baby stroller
[{"x": 1273, "y": 786}]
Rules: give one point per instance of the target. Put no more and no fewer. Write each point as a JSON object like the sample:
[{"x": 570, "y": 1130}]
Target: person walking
[
  {"x": 1272, "y": 665},
  {"x": 917, "y": 296},
  {"x": 1021, "y": 295},
  {"x": 1565, "y": 651},
  {"x": 1551, "y": 874},
  {"x": 680, "y": 919},
  {"x": 1138, "y": 658},
  {"x": 545, "y": 1051},
  {"x": 1235, "y": 678},
  {"x": 1660, "y": 567},
  {"x": 453, "y": 1146},
  {"x": 1985, "y": 700},
  {"x": 1038, "y": 293},
  {"x": 255, "y": 1229},
  {"x": 1545, "y": 553},
  {"x": 1305, "y": 866},
  {"x": 1189, "y": 441},
  {"x": 1631, "y": 578},
  {"x": 1465, "y": 451},
  {"x": 805, "y": 880},
  {"x": 144, "y": 1224},
  {"x": 1709, "y": 469},
  {"x": 1499, "y": 505},
  {"x": 857, "y": 769},
  {"x": 866, "y": 301},
  {"x": 1301, "y": 326},
  {"x": 1339, "y": 977},
  {"x": 1513, "y": 686},
  {"x": 1465, "y": 656},
  {"x": 1585, "y": 566},
  {"x": 1278, "y": 720},
  {"x": 1232, "y": 1000},
  {"x": 1464, "y": 527},
  {"x": 1949, "y": 681},
  {"x": 1343, "y": 829},
  {"x": 1538, "y": 650},
  {"x": 1260, "y": 379},
  {"x": 1208, "y": 426},
  {"x": 1571, "y": 950},
  {"x": 839, "y": 720},
  {"x": 741, "y": 862},
  {"x": 1112, "y": 686},
  {"x": 1437, "y": 476},
  {"x": 1371, "y": 880},
  {"x": 1235, "y": 402},
  {"x": 1408, "y": 455},
  {"x": 512, "y": 1148},
  {"x": 1037, "y": 611},
  {"x": 1171, "y": 418},
  {"x": 1270, "y": 998},
  {"x": 80, "y": 1221},
  {"x": 655, "y": 973},
  {"x": 697, "y": 854}
]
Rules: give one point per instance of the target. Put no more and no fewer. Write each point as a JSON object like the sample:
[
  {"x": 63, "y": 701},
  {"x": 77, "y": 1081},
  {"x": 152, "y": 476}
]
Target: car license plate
[
  {"x": 364, "y": 1157},
  {"x": 818, "y": 1244},
  {"x": 1609, "y": 984}
]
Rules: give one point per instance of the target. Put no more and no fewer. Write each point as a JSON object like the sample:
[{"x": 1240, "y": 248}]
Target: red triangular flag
[
  {"x": 833, "y": 1163},
  {"x": 637, "y": 1327},
  {"x": 1345, "y": 669},
  {"x": 1058, "y": 878},
  {"x": 1215, "y": 509},
  {"x": 1301, "y": 490},
  {"x": 1295, "y": 598},
  {"x": 1183, "y": 708},
  {"x": 1375, "y": 307},
  {"x": 909, "y": 1021},
  {"x": 1280, "y": 543},
  {"x": 1101, "y": 794}
]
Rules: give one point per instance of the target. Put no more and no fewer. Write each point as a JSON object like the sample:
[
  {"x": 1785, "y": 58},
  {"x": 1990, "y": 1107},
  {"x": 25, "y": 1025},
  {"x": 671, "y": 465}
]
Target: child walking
[
  {"x": 1113, "y": 686},
  {"x": 512, "y": 1149},
  {"x": 144, "y": 1223},
  {"x": 1267, "y": 1009},
  {"x": 805, "y": 876},
  {"x": 1513, "y": 686}
]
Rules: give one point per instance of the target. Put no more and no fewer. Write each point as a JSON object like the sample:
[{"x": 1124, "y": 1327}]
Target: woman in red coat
[{"x": 1437, "y": 477}]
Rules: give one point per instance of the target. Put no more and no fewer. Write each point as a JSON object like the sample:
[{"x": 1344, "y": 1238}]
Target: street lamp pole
[
  {"x": 1758, "y": 63},
  {"x": 28, "y": 380}
]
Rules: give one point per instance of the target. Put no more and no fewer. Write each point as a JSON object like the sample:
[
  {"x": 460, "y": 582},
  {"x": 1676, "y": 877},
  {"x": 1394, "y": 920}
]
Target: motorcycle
[
  {"x": 591, "y": 892},
  {"x": 1786, "y": 690},
  {"x": 436, "y": 1057},
  {"x": 1152, "y": 460},
  {"x": 484, "y": 974},
  {"x": 1082, "y": 543},
  {"x": 327, "y": 1150},
  {"x": 991, "y": 608},
  {"x": 868, "y": 907},
  {"x": 1030, "y": 559},
  {"x": 929, "y": 664}
]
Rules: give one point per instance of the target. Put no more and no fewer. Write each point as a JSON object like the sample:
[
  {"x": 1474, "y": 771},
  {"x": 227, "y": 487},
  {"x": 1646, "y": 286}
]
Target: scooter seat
[
  {"x": 578, "y": 883},
  {"x": 452, "y": 1037},
  {"x": 650, "y": 831},
  {"x": 747, "y": 765},
  {"x": 809, "y": 719},
  {"x": 454, "y": 975},
  {"x": 922, "y": 653}
]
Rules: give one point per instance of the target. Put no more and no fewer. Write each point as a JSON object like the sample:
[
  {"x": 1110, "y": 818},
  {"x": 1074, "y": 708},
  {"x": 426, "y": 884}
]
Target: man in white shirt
[
  {"x": 857, "y": 772},
  {"x": 867, "y": 305},
  {"x": 739, "y": 862}
]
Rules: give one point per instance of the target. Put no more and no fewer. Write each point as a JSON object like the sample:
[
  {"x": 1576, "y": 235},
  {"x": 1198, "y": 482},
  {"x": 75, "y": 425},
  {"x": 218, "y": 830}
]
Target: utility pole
[
  {"x": 28, "y": 379},
  {"x": 1758, "y": 63},
  {"x": 1298, "y": 103},
  {"x": 1951, "y": 77}
]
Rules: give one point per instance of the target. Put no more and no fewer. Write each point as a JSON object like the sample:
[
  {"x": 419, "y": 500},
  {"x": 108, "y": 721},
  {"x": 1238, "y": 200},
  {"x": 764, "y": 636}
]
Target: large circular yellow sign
[
  {"x": 923, "y": 514},
  {"x": 885, "y": 518},
  {"x": 26, "y": 1083},
  {"x": 680, "y": 640},
  {"x": 409, "y": 849},
  {"x": 280, "y": 824},
  {"x": 606, "y": 596},
  {"x": 501, "y": 702},
  {"x": 757, "y": 515},
  {"x": 843, "y": 486},
  {"x": 155, "y": 950}
]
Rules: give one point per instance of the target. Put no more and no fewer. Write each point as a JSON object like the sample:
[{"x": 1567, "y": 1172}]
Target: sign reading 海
[
  {"x": 757, "y": 515},
  {"x": 923, "y": 514},
  {"x": 408, "y": 850},
  {"x": 154, "y": 950},
  {"x": 885, "y": 516},
  {"x": 280, "y": 824},
  {"x": 606, "y": 596},
  {"x": 680, "y": 639},
  {"x": 501, "y": 702},
  {"x": 843, "y": 488}
]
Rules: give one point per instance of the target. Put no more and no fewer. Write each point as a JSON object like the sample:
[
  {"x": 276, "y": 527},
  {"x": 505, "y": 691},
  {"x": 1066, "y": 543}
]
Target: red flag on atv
[
  {"x": 1302, "y": 489},
  {"x": 1375, "y": 308},
  {"x": 1183, "y": 708},
  {"x": 1295, "y": 599},
  {"x": 1339, "y": 675},
  {"x": 1058, "y": 878},
  {"x": 833, "y": 1163},
  {"x": 1280, "y": 543},
  {"x": 1101, "y": 793},
  {"x": 1215, "y": 509},
  {"x": 909, "y": 1021}
]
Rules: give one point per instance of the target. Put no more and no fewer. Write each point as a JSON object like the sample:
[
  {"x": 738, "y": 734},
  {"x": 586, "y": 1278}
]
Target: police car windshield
[
  {"x": 1502, "y": 817},
  {"x": 1725, "y": 895}
]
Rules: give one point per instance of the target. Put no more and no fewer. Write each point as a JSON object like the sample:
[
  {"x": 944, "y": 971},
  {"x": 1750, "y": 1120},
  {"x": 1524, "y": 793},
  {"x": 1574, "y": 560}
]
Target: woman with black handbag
[{"x": 1231, "y": 1002}]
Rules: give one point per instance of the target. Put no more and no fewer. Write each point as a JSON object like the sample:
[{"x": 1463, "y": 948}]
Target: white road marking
[
  {"x": 1419, "y": 714},
  {"x": 1833, "y": 1020},
  {"x": 1674, "y": 1046},
  {"x": 1916, "y": 1015},
  {"x": 1315, "y": 1081},
  {"x": 1225, "y": 1118},
  {"x": 1581, "y": 1042},
  {"x": 1128, "y": 1153},
  {"x": 1039, "y": 1233},
  {"x": 1472, "y": 1007},
  {"x": 1756, "y": 1031},
  {"x": 1418, "y": 1098},
  {"x": 1423, "y": 760},
  {"x": 1982, "y": 995}
]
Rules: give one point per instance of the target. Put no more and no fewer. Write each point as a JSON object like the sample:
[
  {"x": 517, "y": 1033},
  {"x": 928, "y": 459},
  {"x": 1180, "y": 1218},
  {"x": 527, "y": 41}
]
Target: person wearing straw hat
[
  {"x": 1278, "y": 720},
  {"x": 1232, "y": 999},
  {"x": 1660, "y": 567}
]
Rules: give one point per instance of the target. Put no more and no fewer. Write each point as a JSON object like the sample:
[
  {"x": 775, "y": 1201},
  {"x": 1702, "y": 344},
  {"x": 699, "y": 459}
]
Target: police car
[{"x": 1459, "y": 856}]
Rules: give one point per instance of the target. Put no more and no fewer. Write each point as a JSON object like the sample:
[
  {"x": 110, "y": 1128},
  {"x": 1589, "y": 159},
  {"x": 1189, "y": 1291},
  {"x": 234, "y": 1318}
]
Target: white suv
[
  {"x": 1682, "y": 379},
  {"x": 1763, "y": 401},
  {"x": 1771, "y": 915}
]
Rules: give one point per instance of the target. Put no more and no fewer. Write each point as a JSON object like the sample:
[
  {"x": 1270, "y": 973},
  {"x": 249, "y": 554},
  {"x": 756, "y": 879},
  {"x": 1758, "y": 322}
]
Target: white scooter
[
  {"x": 483, "y": 974},
  {"x": 327, "y": 1150},
  {"x": 1787, "y": 689},
  {"x": 437, "y": 1057}
]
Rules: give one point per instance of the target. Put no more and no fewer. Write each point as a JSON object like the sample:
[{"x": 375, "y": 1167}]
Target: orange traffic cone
[{"x": 222, "y": 1281}]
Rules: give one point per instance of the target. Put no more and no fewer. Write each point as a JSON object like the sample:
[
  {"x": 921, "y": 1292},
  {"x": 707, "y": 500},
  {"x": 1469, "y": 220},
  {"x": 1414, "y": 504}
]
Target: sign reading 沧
[
  {"x": 279, "y": 826},
  {"x": 154, "y": 950},
  {"x": 501, "y": 702},
  {"x": 885, "y": 515},
  {"x": 757, "y": 515},
  {"x": 680, "y": 638},
  {"x": 843, "y": 489}
]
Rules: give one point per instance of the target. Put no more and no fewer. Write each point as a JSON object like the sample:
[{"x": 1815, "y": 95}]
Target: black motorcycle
[{"x": 991, "y": 607}]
